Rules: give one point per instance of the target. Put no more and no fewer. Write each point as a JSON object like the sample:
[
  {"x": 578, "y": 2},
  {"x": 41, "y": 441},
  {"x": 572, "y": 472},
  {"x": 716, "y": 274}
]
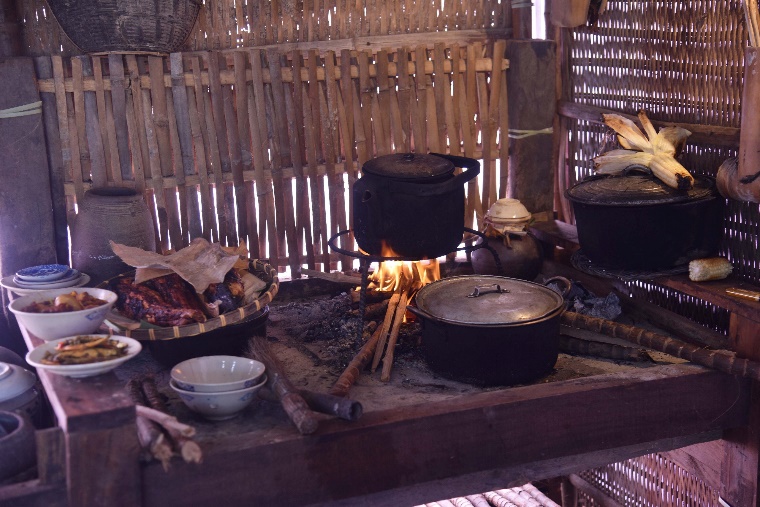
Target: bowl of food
[
  {"x": 222, "y": 405},
  {"x": 211, "y": 374},
  {"x": 83, "y": 355},
  {"x": 58, "y": 313}
]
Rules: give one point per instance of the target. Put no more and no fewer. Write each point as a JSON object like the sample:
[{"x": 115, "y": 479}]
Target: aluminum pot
[
  {"x": 489, "y": 330},
  {"x": 636, "y": 222},
  {"x": 412, "y": 203}
]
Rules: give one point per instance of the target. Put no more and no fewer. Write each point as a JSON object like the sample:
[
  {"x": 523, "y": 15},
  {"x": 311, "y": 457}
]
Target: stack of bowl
[
  {"x": 44, "y": 277},
  {"x": 218, "y": 387}
]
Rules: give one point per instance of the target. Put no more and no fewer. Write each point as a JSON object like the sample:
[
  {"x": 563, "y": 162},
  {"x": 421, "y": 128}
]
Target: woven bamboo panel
[
  {"x": 680, "y": 61},
  {"x": 227, "y": 24},
  {"x": 649, "y": 481},
  {"x": 260, "y": 146}
]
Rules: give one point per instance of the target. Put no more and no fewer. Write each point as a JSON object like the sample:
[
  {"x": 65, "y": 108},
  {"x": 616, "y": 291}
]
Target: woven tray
[{"x": 149, "y": 332}]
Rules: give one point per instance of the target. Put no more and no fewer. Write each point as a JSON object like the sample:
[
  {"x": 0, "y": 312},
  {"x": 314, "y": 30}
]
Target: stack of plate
[{"x": 44, "y": 277}]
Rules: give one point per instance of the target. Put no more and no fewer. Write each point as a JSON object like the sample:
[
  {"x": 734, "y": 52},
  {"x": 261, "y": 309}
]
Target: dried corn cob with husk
[
  {"x": 655, "y": 150},
  {"x": 711, "y": 268}
]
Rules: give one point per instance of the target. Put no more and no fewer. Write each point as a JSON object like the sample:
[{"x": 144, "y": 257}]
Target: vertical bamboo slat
[{"x": 218, "y": 142}]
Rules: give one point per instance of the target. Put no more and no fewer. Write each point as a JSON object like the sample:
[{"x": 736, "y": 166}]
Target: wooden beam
[{"x": 479, "y": 434}]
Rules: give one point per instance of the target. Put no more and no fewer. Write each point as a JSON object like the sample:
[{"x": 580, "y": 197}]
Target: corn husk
[{"x": 655, "y": 150}]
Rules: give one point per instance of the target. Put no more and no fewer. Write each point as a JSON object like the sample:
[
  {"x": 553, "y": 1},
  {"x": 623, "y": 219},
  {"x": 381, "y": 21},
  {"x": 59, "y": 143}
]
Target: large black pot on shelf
[
  {"x": 636, "y": 222},
  {"x": 412, "y": 203}
]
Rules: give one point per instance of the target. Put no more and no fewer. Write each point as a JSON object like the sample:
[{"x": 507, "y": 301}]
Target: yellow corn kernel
[{"x": 712, "y": 268}]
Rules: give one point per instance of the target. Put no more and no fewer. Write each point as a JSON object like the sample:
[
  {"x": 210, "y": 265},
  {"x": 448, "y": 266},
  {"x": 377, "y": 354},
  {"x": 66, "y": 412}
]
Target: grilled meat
[
  {"x": 157, "y": 301},
  {"x": 227, "y": 294}
]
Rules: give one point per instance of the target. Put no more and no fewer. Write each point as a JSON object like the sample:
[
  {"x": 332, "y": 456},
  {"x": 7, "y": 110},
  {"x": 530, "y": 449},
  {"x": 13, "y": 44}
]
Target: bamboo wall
[
  {"x": 680, "y": 61},
  {"x": 260, "y": 146},
  {"x": 226, "y": 24}
]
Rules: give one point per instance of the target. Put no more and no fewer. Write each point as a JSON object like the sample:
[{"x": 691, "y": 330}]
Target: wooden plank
[
  {"x": 382, "y": 120},
  {"x": 335, "y": 185},
  {"x": 453, "y": 117},
  {"x": 106, "y": 123},
  {"x": 479, "y": 434},
  {"x": 493, "y": 117},
  {"x": 247, "y": 194},
  {"x": 312, "y": 116},
  {"x": 504, "y": 142},
  {"x": 419, "y": 114},
  {"x": 220, "y": 161},
  {"x": 119, "y": 107},
  {"x": 296, "y": 127},
  {"x": 69, "y": 142},
  {"x": 347, "y": 121},
  {"x": 80, "y": 119},
  {"x": 404, "y": 97},
  {"x": 182, "y": 111},
  {"x": 442, "y": 89},
  {"x": 176, "y": 197},
  {"x": 284, "y": 187},
  {"x": 366, "y": 94},
  {"x": 396, "y": 129},
  {"x": 263, "y": 187},
  {"x": 197, "y": 114},
  {"x": 532, "y": 100}
]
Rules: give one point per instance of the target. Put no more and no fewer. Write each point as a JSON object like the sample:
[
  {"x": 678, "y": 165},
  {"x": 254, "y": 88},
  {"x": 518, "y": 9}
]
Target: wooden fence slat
[
  {"x": 235, "y": 197},
  {"x": 71, "y": 164},
  {"x": 263, "y": 187},
  {"x": 347, "y": 120},
  {"x": 247, "y": 196},
  {"x": 176, "y": 197},
  {"x": 311, "y": 116},
  {"x": 296, "y": 127},
  {"x": 420, "y": 114},
  {"x": 107, "y": 134},
  {"x": 79, "y": 117},
  {"x": 119, "y": 108},
  {"x": 441, "y": 89},
  {"x": 485, "y": 136},
  {"x": 191, "y": 219},
  {"x": 201, "y": 143},
  {"x": 456, "y": 135},
  {"x": 93, "y": 130},
  {"x": 219, "y": 150},
  {"x": 335, "y": 183},
  {"x": 382, "y": 119},
  {"x": 366, "y": 93},
  {"x": 470, "y": 107},
  {"x": 396, "y": 130},
  {"x": 283, "y": 188},
  {"x": 404, "y": 97},
  {"x": 136, "y": 130}
]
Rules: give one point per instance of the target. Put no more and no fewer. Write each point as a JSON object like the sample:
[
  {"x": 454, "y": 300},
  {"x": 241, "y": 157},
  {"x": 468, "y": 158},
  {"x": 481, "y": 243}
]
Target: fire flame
[{"x": 392, "y": 276}]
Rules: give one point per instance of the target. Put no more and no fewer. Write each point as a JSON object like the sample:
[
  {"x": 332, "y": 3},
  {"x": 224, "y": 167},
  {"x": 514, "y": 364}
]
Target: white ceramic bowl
[
  {"x": 219, "y": 406},
  {"x": 51, "y": 326},
  {"x": 213, "y": 374},
  {"x": 508, "y": 209},
  {"x": 34, "y": 358}
]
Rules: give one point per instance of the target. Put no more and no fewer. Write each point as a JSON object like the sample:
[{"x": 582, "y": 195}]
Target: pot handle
[
  {"x": 563, "y": 281},
  {"x": 472, "y": 166},
  {"x": 477, "y": 292}
]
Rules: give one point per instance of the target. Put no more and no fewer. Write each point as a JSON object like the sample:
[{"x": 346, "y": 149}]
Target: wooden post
[{"x": 532, "y": 105}]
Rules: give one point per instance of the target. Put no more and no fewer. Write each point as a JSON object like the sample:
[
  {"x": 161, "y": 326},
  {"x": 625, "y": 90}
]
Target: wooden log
[
  {"x": 398, "y": 318},
  {"x": 724, "y": 361},
  {"x": 532, "y": 106},
  {"x": 330, "y": 404},
  {"x": 573, "y": 345},
  {"x": 151, "y": 438},
  {"x": 680, "y": 326},
  {"x": 357, "y": 364},
  {"x": 385, "y": 328},
  {"x": 295, "y": 406}
]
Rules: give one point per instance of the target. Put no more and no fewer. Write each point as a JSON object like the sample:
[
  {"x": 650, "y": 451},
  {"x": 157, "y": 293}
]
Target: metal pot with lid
[
  {"x": 489, "y": 330},
  {"x": 636, "y": 222},
  {"x": 411, "y": 203}
]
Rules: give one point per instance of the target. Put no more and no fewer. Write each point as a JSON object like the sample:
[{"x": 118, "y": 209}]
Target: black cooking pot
[
  {"x": 489, "y": 330},
  {"x": 636, "y": 222},
  {"x": 412, "y": 203}
]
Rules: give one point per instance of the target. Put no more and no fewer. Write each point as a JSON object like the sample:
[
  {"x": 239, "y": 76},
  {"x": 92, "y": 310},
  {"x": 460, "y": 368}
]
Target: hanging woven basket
[{"x": 97, "y": 26}]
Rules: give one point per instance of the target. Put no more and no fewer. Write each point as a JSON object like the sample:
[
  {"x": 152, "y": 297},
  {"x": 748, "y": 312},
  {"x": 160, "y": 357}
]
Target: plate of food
[{"x": 83, "y": 355}]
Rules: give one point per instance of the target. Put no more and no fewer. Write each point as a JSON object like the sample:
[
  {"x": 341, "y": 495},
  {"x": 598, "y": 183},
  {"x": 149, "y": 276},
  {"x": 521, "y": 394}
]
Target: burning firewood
[
  {"x": 385, "y": 328},
  {"x": 395, "y": 327}
]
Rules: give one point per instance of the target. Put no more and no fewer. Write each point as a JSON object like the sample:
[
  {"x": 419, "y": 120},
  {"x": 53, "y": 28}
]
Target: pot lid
[
  {"x": 484, "y": 300},
  {"x": 14, "y": 381},
  {"x": 409, "y": 166},
  {"x": 636, "y": 190}
]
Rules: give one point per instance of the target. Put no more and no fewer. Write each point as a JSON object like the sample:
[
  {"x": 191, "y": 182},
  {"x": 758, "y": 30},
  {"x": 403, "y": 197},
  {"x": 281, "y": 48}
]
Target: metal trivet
[
  {"x": 583, "y": 263},
  {"x": 365, "y": 259}
]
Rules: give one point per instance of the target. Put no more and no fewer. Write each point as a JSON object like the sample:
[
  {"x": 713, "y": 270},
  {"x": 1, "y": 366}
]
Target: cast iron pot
[
  {"x": 413, "y": 203},
  {"x": 636, "y": 222},
  {"x": 489, "y": 330}
]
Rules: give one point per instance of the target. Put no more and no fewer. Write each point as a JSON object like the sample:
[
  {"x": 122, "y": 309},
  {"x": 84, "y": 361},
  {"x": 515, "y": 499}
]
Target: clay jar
[
  {"x": 106, "y": 214},
  {"x": 521, "y": 257}
]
